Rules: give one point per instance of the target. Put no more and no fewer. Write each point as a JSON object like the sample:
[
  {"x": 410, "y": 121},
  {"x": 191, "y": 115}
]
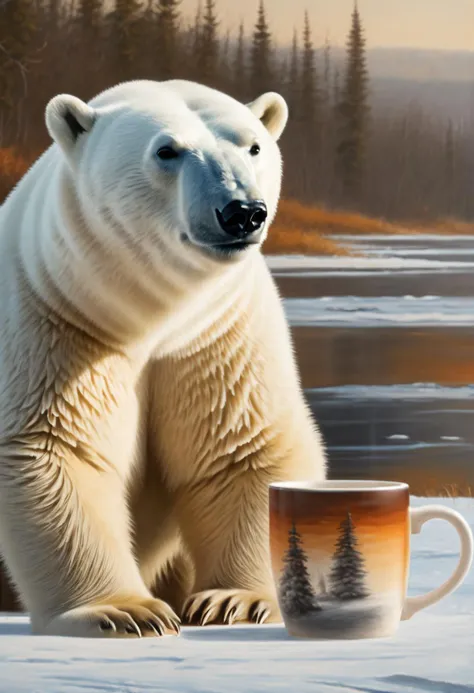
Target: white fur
[{"x": 148, "y": 391}]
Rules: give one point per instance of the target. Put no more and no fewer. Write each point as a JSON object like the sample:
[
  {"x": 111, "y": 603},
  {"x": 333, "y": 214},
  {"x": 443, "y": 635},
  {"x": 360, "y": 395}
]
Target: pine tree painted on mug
[
  {"x": 348, "y": 572},
  {"x": 297, "y": 597}
]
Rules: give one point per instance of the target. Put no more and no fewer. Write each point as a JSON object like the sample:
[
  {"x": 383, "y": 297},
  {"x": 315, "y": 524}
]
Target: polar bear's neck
[
  {"x": 229, "y": 297},
  {"x": 97, "y": 283}
]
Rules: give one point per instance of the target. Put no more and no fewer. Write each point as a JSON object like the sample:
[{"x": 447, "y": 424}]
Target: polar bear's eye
[
  {"x": 166, "y": 153},
  {"x": 254, "y": 149}
]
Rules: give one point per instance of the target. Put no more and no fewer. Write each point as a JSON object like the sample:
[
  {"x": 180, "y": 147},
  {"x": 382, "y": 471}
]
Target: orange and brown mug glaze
[{"x": 340, "y": 556}]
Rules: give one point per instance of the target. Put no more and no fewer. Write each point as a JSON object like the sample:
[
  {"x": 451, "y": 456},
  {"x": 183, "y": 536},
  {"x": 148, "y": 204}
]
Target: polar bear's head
[{"x": 173, "y": 167}]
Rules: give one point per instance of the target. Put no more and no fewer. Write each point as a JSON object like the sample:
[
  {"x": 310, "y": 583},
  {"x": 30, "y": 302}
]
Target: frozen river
[{"x": 385, "y": 342}]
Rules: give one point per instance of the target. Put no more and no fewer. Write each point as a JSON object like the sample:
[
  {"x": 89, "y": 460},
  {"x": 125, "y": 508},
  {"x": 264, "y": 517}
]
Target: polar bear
[{"x": 148, "y": 389}]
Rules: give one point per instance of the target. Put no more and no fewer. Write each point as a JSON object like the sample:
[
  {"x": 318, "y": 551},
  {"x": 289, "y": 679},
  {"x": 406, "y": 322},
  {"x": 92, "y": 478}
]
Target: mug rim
[{"x": 339, "y": 485}]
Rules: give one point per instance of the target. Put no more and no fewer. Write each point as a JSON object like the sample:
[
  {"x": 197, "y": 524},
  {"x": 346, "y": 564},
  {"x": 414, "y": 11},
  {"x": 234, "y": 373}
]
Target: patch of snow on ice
[
  {"x": 358, "y": 311},
  {"x": 411, "y": 391},
  {"x": 300, "y": 262},
  {"x": 411, "y": 239}
]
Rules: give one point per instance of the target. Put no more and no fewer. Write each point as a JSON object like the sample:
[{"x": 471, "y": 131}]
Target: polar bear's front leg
[
  {"x": 65, "y": 539},
  {"x": 69, "y": 445},
  {"x": 225, "y": 525}
]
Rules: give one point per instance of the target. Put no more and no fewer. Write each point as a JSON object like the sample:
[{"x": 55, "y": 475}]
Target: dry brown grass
[
  {"x": 299, "y": 228},
  {"x": 293, "y": 214},
  {"x": 283, "y": 240},
  {"x": 12, "y": 167},
  {"x": 307, "y": 229},
  {"x": 454, "y": 227},
  {"x": 438, "y": 484},
  {"x": 435, "y": 483}
]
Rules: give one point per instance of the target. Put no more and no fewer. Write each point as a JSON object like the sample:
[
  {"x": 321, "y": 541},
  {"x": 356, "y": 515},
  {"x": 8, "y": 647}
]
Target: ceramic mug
[{"x": 340, "y": 556}]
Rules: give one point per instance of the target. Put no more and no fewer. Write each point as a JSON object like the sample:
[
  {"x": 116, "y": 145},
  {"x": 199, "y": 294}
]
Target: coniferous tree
[
  {"x": 167, "y": 38},
  {"x": 88, "y": 44},
  {"x": 348, "y": 572},
  {"x": 125, "y": 33},
  {"x": 294, "y": 137},
  {"x": 208, "y": 46},
  {"x": 294, "y": 75},
  {"x": 49, "y": 68},
  {"x": 53, "y": 13},
  {"x": 309, "y": 115},
  {"x": 282, "y": 72},
  {"x": 197, "y": 30},
  {"x": 353, "y": 111},
  {"x": 327, "y": 71},
  {"x": 297, "y": 597},
  {"x": 148, "y": 69},
  {"x": 194, "y": 44},
  {"x": 224, "y": 60},
  {"x": 450, "y": 166},
  {"x": 336, "y": 90},
  {"x": 326, "y": 177},
  {"x": 239, "y": 69},
  {"x": 89, "y": 13},
  {"x": 17, "y": 28},
  {"x": 261, "y": 55},
  {"x": 310, "y": 91},
  {"x": 449, "y": 152}
]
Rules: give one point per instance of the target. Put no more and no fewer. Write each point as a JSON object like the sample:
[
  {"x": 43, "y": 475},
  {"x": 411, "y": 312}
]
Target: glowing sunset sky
[
  {"x": 382, "y": 532},
  {"x": 446, "y": 24}
]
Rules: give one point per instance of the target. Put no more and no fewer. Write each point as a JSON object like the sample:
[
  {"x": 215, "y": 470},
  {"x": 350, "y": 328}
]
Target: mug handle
[{"x": 418, "y": 517}]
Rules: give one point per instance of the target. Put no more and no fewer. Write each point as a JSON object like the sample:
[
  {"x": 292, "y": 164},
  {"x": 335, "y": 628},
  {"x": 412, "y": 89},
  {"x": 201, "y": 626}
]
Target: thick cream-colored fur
[{"x": 148, "y": 391}]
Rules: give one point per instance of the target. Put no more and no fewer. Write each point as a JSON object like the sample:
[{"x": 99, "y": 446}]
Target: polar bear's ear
[
  {"x": 67, "y": 118},
  {"x": 272, "y": 110}
]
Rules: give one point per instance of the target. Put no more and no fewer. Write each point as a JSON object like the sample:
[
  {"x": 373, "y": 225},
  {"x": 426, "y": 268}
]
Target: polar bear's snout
[
  {"x": 240, "y": 220},
  {"x": 224, "y": 210},
  {"x": 237, "y": 225}
]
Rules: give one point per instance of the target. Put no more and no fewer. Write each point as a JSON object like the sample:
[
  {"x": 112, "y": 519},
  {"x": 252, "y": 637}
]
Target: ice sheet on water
[
  {"x": 410, "y": 239},
  {"x": 402, "y": 251},
  {"x": 300, "y": 262},
  {"x": 431, "y": 653},
  {"x": 410, "y": 391},
  {"x": 376, "y": 311}
]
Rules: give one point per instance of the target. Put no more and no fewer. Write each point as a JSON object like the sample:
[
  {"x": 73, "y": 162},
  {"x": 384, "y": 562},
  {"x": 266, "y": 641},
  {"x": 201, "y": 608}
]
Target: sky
[{"x": 428, "y": 24}]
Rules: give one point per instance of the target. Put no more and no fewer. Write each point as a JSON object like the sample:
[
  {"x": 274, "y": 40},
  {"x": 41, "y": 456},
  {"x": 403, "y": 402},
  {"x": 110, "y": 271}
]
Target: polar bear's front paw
[
  {"x": 127, "y": 619},
  {"x": 225, "y": 607}
]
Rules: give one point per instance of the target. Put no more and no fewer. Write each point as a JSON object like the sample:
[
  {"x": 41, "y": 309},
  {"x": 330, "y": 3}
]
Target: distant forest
[{"x": 338, "y": 151}]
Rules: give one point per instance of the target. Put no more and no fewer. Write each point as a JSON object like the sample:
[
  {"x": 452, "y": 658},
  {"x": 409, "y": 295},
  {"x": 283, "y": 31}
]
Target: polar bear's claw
[
  {"x": 225, "y": 607},
  {"x": 147, "y": 618}
]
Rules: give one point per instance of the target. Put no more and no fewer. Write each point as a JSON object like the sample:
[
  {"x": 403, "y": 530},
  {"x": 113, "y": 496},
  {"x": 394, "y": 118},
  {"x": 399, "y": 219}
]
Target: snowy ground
[{"x": 434, "y": 652}]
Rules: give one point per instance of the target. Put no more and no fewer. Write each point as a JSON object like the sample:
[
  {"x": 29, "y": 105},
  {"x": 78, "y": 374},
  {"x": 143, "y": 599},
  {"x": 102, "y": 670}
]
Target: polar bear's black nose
[{"x": 240, "y": 219}]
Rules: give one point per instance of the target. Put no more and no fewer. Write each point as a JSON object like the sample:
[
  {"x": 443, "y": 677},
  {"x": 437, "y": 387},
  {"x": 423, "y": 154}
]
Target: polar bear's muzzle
[
  {"x": 238, "y": 225},
  {"x": 241, "y": 220}
]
